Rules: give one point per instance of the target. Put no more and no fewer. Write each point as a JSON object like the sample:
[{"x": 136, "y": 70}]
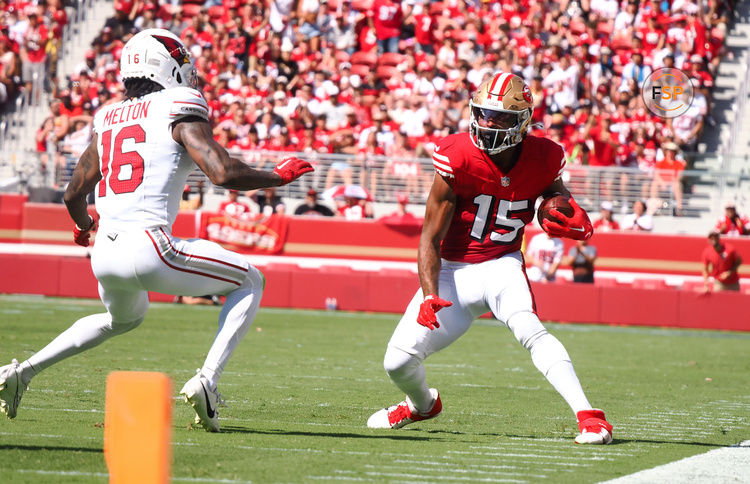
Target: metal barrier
[{"x": 692, "y": 194}]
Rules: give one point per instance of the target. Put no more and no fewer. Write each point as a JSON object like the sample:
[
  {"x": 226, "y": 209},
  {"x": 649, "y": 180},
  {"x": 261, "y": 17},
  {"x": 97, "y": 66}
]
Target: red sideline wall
[
  {"x": 314, "y": 237},
  {"x": 390, "y": 290}
]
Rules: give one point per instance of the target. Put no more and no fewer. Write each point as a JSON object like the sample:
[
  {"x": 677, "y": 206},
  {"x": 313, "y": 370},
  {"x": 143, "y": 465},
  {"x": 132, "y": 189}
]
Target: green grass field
[{"x": 301, "y": 386}]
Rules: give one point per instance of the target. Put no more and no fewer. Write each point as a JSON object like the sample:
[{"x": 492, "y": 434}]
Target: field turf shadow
[
  {"x": 49, "y": 448},
  {"x": 243, "y": 430}
]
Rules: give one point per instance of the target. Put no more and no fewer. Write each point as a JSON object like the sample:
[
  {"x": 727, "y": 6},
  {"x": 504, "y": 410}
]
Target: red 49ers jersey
[{"x": 492, "y": 207}]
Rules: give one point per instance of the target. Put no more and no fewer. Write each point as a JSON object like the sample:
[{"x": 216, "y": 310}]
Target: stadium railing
[{"x": 704, "y": 192}]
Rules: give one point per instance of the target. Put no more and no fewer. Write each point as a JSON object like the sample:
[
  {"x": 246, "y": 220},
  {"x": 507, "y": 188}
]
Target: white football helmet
[
  {"x": 158, "y": 55},
  {"x": 500, "y": 113}
]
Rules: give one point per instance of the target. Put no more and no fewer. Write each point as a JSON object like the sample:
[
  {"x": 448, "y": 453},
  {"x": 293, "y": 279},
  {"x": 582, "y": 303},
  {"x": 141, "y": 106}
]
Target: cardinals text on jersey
[
  {"x": 492, "y": 207},
  {"x": 143, "y": 169}
]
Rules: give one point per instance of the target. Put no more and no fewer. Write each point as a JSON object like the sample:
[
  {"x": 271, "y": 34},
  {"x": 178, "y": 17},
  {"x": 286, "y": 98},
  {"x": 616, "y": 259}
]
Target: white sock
[
  {"x": 563, "y": 377},
  {"x": 235, "y": 319},
  {"x": 84, "y": 334}
]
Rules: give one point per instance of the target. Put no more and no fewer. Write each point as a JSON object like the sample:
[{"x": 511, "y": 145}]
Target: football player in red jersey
[{"x": 470, "y": 262}]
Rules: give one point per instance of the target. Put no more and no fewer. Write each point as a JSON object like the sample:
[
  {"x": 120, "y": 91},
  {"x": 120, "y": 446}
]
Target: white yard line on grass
[
  {"x": 101, "y": 474},
  {"x": 718, "y": 466}
]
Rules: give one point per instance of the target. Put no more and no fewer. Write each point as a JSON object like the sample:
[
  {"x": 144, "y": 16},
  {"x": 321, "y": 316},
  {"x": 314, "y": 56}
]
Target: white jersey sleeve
[{"x": 187, "y": 102}]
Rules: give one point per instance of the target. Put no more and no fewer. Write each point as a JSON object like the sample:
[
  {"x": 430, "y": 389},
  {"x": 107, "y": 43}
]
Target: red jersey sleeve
[
  {"x": 552, "y": 160},
  {"x": 446, "y": 159}
]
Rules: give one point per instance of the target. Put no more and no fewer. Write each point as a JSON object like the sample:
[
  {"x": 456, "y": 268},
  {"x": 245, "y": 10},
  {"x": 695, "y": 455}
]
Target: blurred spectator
[
  {"x": 733, "y": 223},
  {"x": 606, "y": 223},
  {"x": 543, "y": 256},
  {"x": 721, "y": 262},
  {"x": 234, "y": 208},
  {"x": 122, "y": 24},
  {"x": 10, "y": 71},
  {"x": 34, "y": 51},
  {"x": 639, "y": 220},
  {"x": 192, "y": 203},
  {"x": 354, "y": 206},
  {"x": 581, "y": 258},
  {"x": 401, "y": 216},
  {"x": 386, "y": 17},
  {"x": 668, "y": 174},
  {"x": 312, "y": 207},
  {"x": 401, "y": 169},
  {"x": 267, "y": 199}
]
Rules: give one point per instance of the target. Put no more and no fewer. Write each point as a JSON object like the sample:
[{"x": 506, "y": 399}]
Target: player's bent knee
[
  {"x": 120, "y": 327},
  {"x": 398, "y": 362},
  {"x": 254, "y": 280}
]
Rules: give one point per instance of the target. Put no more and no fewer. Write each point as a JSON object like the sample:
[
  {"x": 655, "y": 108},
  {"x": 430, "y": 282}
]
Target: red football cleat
[
  {"x": 594, "y": 427},
  {"x": 404, "y": 413}
]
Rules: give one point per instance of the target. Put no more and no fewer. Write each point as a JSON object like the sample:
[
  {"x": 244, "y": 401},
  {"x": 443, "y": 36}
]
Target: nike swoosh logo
[
  {"x": 210, "y": 411},
  {"x": 577, "y": 229},
  {"x": 112, "y": 237},
  {"x": 437, "y": 148}
]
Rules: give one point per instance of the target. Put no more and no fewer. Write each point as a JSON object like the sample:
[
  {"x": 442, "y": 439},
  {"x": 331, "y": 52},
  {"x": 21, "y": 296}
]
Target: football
[{"x": 560, "y": 202}]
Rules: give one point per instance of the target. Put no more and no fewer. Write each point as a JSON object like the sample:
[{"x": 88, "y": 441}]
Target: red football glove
[
  {"x": 577, "y": 227},
  {"x": 81, "y": 236},
  {"x": 289, "y": 169},
  {"x": 428, "y": 308}
]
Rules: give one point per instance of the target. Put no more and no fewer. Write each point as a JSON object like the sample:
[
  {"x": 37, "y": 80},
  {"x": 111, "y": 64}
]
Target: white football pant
[
  {"x": 129, "y": 264},
  {"x": 499, "y": 286}
]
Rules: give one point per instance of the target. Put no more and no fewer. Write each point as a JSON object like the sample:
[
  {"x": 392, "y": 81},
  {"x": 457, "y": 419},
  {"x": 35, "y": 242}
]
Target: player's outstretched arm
[
  {"x": 440, "y": 206},
  {"x": 196, "y": 136},
  {"x": 82, "y": 182}
]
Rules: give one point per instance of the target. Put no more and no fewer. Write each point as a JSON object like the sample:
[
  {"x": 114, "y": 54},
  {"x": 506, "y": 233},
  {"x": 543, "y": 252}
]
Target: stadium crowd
[{"x": 384, "y": 77}]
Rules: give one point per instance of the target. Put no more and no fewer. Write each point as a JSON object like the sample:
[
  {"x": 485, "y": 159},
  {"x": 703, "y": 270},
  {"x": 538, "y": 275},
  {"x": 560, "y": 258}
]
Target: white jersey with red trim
[
  {"x": 493, "y": 207},
  {"x": 143, "y": 169}
]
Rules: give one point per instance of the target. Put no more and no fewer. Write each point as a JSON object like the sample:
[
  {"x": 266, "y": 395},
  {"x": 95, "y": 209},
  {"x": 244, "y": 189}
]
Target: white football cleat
[
  {"x": 594, "y": 427},
  {"x": 11, "y": 388},
  {"x": 198, "y": 394},
  {"x": 404, "y": 413}
]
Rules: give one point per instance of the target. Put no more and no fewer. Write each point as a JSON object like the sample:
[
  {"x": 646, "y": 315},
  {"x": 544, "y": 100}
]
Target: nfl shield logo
[{"x": 505, "y": 181}]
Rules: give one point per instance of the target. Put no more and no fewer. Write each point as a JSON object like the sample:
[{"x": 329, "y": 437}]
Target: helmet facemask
[{"x": 494, "y": 130}]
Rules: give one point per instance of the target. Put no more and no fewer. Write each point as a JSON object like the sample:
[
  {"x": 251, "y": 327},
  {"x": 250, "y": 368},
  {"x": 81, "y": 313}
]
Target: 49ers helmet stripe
[{"x": 500, "y": 82}]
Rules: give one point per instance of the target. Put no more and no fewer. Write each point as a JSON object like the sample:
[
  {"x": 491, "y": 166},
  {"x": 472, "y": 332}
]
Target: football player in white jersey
[{"x": 137, "y": 164}]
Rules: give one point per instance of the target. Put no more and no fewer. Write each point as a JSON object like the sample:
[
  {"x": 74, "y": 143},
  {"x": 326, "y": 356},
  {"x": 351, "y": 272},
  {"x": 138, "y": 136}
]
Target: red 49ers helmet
[{"x": 500, "y": 113}]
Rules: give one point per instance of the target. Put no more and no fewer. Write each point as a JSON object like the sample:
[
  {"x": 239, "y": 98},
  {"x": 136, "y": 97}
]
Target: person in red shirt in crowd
[
  {"x": 233, "y": 208},
  {"x": 33, "y": 52},
  {"x": 668, "y": 174},
  {"x": 606, "y": 223},
  {"x": 732, "y": 223},
  {"x": 354, "y": 206},
  {"x": 401, "y": 216},
  {"x": 720, "y": 261},
  {"x": 386, "y": 18},
  {"x": 605, "y": 146},
  {"x": 424, "y": 30},
  {"x": 539, "y": 93}
]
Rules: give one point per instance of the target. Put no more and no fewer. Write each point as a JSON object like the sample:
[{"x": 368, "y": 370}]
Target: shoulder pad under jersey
[{"x": 185, "y": 101}]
